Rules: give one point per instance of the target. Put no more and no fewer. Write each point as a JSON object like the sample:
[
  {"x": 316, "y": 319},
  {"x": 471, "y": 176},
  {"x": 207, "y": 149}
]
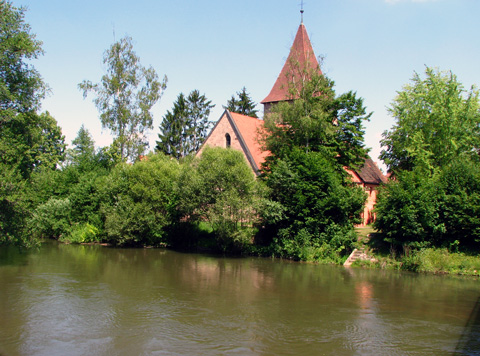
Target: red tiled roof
[
  {"x": 301, "y": 53},
  {"x": 249, "y": 128}
]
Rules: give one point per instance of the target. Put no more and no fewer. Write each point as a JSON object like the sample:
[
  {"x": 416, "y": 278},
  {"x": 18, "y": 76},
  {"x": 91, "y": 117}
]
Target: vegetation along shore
[{"x": 298, "y": 202}]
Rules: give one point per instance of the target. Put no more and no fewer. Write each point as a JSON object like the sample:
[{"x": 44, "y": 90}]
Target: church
[{"x": 240, "y": 132}]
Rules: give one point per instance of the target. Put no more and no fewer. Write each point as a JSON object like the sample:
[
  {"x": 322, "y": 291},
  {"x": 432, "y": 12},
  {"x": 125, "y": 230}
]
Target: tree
[
  {"x": 433, "y": 152},
  {"x": 441, "y": 209},
  {"x": 317, "y": 121},
  {"x": 83, "y": 151},
  {"x": 436, "y": 121},
  {"x": 311, "y": 138},
  {"x": 172, "y": 139},
  {"x": 125, "y": 96},
  {"x": 21, "y": 87},
  {"x": 185, "y": 128},
  {"x": 220, "y": 188},
  {"x": 137, "y": 201},
  {"x": 243, "y": 104},
  {"x": 30, "y": 142},
  {"x": 407, "y": 210},
  {"x": 199, "y": 111},
  {"x": 316, "y": 207}
]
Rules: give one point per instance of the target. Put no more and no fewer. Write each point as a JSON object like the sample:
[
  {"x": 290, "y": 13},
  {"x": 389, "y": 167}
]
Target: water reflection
[
  {"x": 469, "y": 343},
  {"x": 79, "y": 300}
]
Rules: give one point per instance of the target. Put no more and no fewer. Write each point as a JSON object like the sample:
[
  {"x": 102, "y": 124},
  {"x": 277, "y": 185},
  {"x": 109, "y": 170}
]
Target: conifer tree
[
  {"x": 184, "y": 129},
  {"x": 243, "y": 104},
  {"x": 198, "y": 112},
  {"x": 172, "y": 129}
]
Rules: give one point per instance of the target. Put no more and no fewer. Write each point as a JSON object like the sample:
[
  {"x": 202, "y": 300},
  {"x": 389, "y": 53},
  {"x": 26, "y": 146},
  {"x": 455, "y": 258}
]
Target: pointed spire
[{"x": 301, "y": 57}]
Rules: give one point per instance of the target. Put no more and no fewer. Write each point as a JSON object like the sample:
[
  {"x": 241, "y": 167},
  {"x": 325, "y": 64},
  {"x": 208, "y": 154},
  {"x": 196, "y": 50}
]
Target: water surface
[{"x": 92, "y": 300}]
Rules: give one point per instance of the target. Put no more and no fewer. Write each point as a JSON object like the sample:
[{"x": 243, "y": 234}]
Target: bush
[
  {"x": 407, "y": 210},
  {"x": 82, "y": 233},
  {"x": 137, "y": 201},
  {"x": 51, "y": 219},
  {"x": 440, "y": 210},
  {"x": 441, "y": 261},
  {"x": 314, "y": 210},
  {"x": 220, "y": 189}
]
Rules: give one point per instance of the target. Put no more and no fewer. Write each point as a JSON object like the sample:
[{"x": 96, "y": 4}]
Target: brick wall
[{"x": 217, "y": 137}]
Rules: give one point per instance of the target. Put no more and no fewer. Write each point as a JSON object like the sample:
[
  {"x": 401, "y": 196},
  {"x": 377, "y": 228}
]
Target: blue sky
[{"x": 372, "y": 47}]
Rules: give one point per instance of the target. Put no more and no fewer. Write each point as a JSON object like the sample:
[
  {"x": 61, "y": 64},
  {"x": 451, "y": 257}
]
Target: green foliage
[
  {"x": 312, "y": 137},
  {"x": 21, "y": 87},
  {"x": 30, "y": 142},
  {"x": 443, "y": 209},
  {"x": 315, "y": 209},
  {"x": 440, "y": 260},
  {"x": 125, "y": 96},
  {"x": 137, "y": 201},
  {"x": 243, "y": 104},
  {"x": 460, "y": 204},
  {"x": 407, "y": 210},
  {"x": 433, "y": 151},
  {"x": 220, "y": 188},
  {"x": 51, "y": 219},
  {"x": 83, "y": 152},
  {"x": 81, "y": 233},
  {"x": 185, "y": 128},
  {"x": 436, "y": 121},
  {"x": 317, "y": 121},
  {"x": 13, "y": 209}
]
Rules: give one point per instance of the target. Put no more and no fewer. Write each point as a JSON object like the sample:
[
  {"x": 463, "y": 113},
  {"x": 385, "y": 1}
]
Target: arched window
[{"x": 228, "y": 140}]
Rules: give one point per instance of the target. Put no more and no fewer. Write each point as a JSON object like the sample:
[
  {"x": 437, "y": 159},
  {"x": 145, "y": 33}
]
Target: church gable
[{"x": 238, "y": 132}]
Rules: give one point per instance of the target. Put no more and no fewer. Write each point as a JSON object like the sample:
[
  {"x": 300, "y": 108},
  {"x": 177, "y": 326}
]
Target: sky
[{"x": 372, "y": 47}]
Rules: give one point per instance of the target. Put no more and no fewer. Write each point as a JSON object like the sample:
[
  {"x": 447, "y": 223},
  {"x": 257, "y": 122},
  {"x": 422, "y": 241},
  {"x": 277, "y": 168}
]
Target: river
[{"x": 93, "y": 300}]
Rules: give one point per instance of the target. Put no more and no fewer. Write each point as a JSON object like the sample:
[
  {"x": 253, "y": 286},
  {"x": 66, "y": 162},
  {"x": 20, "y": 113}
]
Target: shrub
[
  {"x": 51, "y": 219},
  {"x": 314, "y": 210},
  {"x": 82, "y": 233}
]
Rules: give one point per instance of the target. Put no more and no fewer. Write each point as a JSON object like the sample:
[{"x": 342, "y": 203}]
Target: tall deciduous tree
[
  {"x": 433, "y": 150},
  {"x": 29, "y": 140},
  {"x": 185, "y": 128},
  {"x": 436, "y": 121},
  {"x": 311, "y": 138},
  {"x": 21, "y": 87},
  {"x": 242, "y": 104},
  {"x": 317, "y": 121},
  {"x": 124, "y": 97}
]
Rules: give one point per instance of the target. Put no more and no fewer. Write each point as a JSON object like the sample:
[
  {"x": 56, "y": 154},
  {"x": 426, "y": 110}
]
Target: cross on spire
[{"x": 301, "y": 10}]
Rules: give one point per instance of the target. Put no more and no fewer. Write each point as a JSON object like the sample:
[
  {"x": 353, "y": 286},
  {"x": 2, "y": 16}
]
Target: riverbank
[{"x": 424, "y": 260}]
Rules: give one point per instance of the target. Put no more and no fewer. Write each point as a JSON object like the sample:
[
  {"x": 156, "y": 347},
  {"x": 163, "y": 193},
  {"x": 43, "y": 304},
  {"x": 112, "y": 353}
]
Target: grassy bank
[{"x": 426, "y": 260}]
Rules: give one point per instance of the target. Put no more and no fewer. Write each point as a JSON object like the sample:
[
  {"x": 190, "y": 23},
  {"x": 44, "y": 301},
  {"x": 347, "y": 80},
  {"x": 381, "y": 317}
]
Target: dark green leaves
[
  {"x": 185, "y": 128},
  {"x": 242, "y": 104}
]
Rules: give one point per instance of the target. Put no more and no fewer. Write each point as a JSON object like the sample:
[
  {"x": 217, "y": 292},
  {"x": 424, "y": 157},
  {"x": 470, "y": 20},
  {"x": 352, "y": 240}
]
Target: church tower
[{"x": 300, "y": 62}]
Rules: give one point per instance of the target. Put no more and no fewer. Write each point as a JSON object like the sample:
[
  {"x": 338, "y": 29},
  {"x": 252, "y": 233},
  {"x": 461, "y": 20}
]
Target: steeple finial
[{"x": 301, "y": 10}]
